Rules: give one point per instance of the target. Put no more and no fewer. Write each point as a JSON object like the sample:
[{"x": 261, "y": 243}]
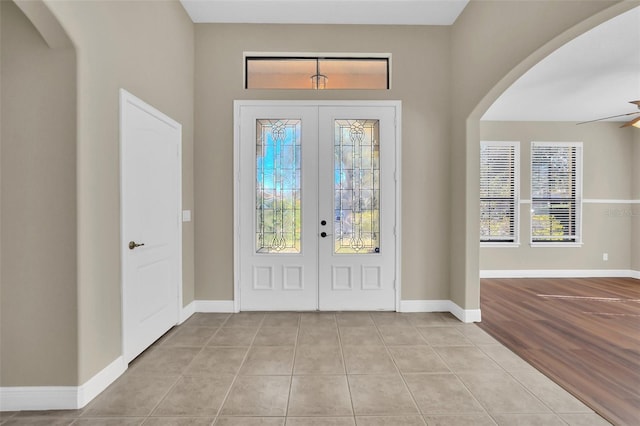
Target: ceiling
[
  {"x": 593, "y": 76},
  {"x": 380, "y": 12}
]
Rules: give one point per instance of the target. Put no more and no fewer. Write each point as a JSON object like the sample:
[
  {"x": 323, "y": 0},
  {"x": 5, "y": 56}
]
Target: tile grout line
[
  {"x": 235, "y": 377},
  {"x": 154, "y": 346},
  {"x": 293, "y": 366},
  {"x": 384, "y": 343},
  {"x": 455, "y": 373},
  {"x": 215, "y": 418},
  {"x": 526, "y": 388},
  {"x": 155, "y": 407},
  {"x": 344, "y": 366},
  {"x": 508, "y": 373},
  {"x": 554, "y": 412},
  {"x": 181, "y": 375}
]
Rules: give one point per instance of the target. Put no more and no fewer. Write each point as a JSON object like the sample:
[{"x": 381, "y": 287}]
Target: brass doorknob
[{"x": 133, "y": 244}]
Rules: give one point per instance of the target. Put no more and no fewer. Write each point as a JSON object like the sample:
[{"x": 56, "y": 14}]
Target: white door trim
[
  {"x": 238, "y": 104},
  {"x": 128, "y": 98}
]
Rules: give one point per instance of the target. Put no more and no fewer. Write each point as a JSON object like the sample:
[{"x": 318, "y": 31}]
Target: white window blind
[
  {"x": 556, "y": 192},
  {"x": 499, "y": 197}
]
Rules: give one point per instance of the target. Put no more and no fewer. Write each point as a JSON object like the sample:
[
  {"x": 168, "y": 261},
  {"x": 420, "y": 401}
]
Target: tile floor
[{"x": 338, "y": 369}]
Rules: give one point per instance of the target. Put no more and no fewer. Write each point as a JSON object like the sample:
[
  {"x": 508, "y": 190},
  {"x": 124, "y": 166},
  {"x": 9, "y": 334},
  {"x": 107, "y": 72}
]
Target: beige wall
[
  {"x": 607, "y": 172},
  {"x": 38, "y": 316},
  {"x": 147, "y": 49},
  {"x": 493, "y": 43},
  {"x": 635, "y": 195},
  {"x": 420, "y": 80}
]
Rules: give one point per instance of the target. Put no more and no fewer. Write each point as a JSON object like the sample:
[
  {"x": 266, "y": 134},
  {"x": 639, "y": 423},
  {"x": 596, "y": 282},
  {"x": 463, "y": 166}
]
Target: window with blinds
[
  {"x": 499, "y": 195},
  {"x": 556, "y": 192}
]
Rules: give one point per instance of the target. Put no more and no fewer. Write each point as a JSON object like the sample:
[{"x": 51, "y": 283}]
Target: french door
[{"x": 316, "y": 206}]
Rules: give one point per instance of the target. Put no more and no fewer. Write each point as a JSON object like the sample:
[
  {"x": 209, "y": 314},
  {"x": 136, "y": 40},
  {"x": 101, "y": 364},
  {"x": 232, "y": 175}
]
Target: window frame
[
  {"x": 247, "y": 56},
  {"x": 577, "y": 199},
  {"x": 515, "y": 197}
]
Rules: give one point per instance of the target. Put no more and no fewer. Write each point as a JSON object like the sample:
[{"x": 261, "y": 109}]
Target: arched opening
[
  {"x": 468, "y": 293},
  {"x": 607, "y": 152}
]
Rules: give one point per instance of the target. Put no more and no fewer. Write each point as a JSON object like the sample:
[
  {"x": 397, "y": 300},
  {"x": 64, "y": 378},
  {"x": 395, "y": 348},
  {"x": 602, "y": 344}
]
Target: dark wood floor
[{"x": 582, "y": 333}]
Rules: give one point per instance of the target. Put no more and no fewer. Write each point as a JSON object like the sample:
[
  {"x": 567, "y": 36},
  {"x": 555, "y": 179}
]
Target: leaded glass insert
[
  {"x": 278, "y": 195},
  {"x": 357, "y": 187}
]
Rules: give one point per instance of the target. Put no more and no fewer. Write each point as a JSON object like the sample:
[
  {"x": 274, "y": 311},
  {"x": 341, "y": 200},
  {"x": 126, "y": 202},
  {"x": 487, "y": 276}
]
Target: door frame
[
  {"x": 128, "y": 98},
  {"x": 238, "y": 104}
]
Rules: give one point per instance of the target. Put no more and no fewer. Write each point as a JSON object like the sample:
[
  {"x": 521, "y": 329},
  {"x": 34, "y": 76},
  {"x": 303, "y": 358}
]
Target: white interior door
[
  {"x": 151, "y": 228},
  {"x": 315, "y": 206}
]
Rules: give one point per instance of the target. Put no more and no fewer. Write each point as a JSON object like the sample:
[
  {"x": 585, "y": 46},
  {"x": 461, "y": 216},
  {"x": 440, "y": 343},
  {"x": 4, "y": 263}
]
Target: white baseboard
[
  {"x": 225, "y": 306},
  {"x": 425, "y": 305},
  {"x": 635, "y": 274},
  {"x": 187, "y": 311},
  {"x": 100, "y": 381},
  {"x": 464, "y": 315},
  {"x": 557, "y": 273},
  {"x": 21, "y": 398}
]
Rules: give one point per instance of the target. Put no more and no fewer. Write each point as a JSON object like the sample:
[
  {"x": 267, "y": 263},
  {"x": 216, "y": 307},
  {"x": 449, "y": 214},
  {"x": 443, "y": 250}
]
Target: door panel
[
  {"x": 278, "y": 153},
  {"x": 317, "y": 207},
  {"x": 357, "y": 201},
  {"x": 150, "y": 144}
]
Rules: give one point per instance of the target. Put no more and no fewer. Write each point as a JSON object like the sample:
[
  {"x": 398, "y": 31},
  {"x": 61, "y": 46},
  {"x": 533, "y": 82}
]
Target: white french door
[{"x": 316, "y": 206}]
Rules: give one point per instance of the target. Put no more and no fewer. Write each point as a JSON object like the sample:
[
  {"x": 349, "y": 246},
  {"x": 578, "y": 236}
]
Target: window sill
[
  {"x": 556, "y": 245},
  {"x": 499, "y": 245}
]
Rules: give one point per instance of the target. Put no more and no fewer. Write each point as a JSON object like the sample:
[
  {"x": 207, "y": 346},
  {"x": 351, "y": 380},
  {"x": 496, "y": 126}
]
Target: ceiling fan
[{"x": 635, "y": 122}]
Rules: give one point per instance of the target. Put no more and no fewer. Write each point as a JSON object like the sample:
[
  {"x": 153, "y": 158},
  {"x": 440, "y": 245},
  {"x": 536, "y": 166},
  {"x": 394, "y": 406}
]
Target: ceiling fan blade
[
  {"x": 632, "y": 123},
  {"x": 613, "y": 116}
]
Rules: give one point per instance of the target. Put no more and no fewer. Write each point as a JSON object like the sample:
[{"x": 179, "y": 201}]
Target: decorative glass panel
[
  {"x": 278, "y": 218},
  {"x": 357, "y": 187}
]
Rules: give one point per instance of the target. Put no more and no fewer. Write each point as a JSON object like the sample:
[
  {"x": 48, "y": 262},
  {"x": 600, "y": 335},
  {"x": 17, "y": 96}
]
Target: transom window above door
[{"x": 298, "y": 71}]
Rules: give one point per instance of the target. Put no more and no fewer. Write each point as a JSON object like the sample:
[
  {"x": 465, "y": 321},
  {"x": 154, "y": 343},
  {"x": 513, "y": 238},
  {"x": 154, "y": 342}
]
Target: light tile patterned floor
[{"x": 326, "y": 369}]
